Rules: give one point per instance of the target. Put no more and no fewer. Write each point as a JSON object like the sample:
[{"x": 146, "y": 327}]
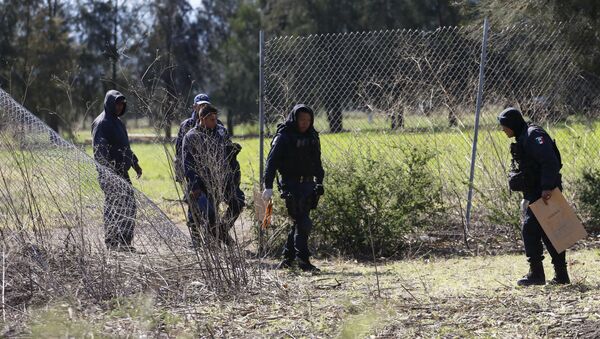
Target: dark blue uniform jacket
[
  {"x": 295, "y": 154},
  {"x": 205, "y": 157},
  {"x": 541, "y": 162},
  {"x": 185, "y": 127},
  {"x": 109, "y": 138}
]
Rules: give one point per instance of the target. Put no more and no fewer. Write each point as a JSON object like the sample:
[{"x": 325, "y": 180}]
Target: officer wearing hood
[
  {"x": 110, "y": 142},
  {"x": 536, "y": 173},
  {"x": 296, "y": 154}
]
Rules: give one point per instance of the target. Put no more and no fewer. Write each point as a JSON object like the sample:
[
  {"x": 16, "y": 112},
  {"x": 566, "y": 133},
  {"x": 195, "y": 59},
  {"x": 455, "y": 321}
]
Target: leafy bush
[
  {"x": 375, "y": 199},
  {"x": 588, "y": 196}
]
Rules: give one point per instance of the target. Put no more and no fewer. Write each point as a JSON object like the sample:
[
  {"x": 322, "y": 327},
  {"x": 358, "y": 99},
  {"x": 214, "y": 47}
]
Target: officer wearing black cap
[
  {"x": 296, "y": 154},
  {"x": 201, "y": 100},
  {"x": 536, "y": 173}
]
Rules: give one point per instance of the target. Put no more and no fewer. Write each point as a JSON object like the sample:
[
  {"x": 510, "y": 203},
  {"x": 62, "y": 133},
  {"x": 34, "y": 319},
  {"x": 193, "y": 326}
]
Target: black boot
[
  {"x": 561, "y": 276},
  {"x": 306, "y": 266},
  {"x": 535, "y": 276}
]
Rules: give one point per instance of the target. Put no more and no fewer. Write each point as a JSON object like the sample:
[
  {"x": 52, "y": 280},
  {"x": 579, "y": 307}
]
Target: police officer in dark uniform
[
  {"x": 200, "y": 100},
  {"x": 212, "y": 176},
  {"x": 111, "y": 149},
  {"x": 296, "y": 154},
  {"x": 536, "y": 173}
]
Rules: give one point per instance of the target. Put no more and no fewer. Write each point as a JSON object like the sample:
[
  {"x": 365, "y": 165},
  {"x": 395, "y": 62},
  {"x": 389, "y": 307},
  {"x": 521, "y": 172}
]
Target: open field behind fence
[{"x": 450, "y": 147}]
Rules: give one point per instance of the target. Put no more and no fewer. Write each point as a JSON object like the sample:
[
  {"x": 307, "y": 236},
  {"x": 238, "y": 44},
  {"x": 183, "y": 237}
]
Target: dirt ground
[{"x": 457, "y": 296}]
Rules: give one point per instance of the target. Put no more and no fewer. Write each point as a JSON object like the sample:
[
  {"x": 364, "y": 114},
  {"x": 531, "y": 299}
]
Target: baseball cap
[{"x": 201, "y": 98}]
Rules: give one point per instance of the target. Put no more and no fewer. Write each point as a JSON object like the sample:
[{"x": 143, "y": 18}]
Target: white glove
[{"x": 267, "y": 194}]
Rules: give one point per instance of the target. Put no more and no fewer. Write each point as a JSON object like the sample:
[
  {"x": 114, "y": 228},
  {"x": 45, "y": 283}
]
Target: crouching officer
[
  {"x": 213, "y": 176},
  {"x": 536, "y": 172},
  {"x": 296, "y": 154}
]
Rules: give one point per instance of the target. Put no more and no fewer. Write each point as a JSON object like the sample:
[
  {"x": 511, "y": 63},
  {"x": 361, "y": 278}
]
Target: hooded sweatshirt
[
  {"x": 295, "y": 154},
  {"x": 109, "y": 137}
]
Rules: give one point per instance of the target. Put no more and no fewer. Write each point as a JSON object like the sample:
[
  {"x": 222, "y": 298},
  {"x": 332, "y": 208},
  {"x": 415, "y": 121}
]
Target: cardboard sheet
[{"x": 559, "y": 221}]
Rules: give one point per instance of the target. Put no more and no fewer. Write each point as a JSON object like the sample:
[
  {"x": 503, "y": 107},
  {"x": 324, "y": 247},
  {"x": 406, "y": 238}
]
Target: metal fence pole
[
  {"x": 261, "y": 107},
  {"x": 261, "y": 131},
  {"x": 476, "y": 128}
]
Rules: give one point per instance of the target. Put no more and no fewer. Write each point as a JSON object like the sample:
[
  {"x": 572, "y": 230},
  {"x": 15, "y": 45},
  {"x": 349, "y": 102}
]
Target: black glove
[
  {"x": 319, "y": 190},
  {"x": 233, "y": 149}
]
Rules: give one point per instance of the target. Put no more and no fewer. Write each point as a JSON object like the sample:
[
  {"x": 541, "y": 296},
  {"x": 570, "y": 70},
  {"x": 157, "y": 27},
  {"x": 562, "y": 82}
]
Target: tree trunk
[
  {"x": 115, "y": 56},
  {"x": 168, "y": 130},
  {"x": 53, "y": 122},
  {"x": 335, "y": 120},
  {"x": 397, "y": 120},
  {"x": 230, "y": 122}
]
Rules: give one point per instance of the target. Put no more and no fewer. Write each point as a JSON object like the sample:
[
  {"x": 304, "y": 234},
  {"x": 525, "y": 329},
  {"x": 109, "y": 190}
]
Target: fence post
[
  {"x": 261, "y": 128},
  {"x": 476, "y": 128},
  {"x": 261, "y": 107}
]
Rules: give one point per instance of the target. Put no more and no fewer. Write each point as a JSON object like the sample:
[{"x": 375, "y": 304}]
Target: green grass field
[{"x": 579, "y": 145}]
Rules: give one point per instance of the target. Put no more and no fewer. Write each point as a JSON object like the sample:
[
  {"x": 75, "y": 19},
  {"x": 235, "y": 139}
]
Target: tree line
[{"x": 58, "y": 58}]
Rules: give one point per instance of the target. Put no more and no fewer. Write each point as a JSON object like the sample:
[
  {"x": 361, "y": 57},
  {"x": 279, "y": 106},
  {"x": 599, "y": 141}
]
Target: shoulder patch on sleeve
[{"x": 540, "y": 140}]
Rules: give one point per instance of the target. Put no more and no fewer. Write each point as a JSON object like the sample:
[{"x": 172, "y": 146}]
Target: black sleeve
[
  {"x": 101, "y": 145},
  {"x": 179, "y": 141},
  {"x": 319, "y": 171},
  {"x": 190, "y": 165},
  {"x": 274, "y": 159},
  {"x": 540, "y": 147}
]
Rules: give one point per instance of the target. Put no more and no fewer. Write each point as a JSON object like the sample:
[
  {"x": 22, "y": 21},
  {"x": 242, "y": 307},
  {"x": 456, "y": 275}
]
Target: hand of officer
[
  {"x": 138, "y": 170},
  {"x": 267, "y": 194},
  {"x": 546, "y": 194},
  {"x": 237, "y": 148},
  {"x": 319, "y": 190}
]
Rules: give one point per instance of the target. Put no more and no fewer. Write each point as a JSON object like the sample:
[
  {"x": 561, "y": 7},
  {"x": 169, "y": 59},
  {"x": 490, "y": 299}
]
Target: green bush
[
  {"x": 588, "y": 196},
  {"x": 375, "y": 199}
]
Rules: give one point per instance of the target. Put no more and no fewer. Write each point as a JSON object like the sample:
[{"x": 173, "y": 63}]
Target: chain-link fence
[
  {"x": 386, "y": 95},
  {"x": 57, "y": 208}
]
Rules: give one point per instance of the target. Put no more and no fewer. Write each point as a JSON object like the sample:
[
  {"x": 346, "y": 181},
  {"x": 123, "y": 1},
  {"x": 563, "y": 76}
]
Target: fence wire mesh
[
  {"x": 54, "y": 210},
  {"x": 385, "y": 95}
]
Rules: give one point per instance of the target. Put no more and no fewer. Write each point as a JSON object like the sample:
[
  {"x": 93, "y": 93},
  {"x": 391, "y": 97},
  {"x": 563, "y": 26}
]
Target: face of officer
[
  {"x": 209, "y": 121},
  {"x": 119, "y": 106},
  {"x": 509, "y": 132},
  {"x": 304, "y": 121}
]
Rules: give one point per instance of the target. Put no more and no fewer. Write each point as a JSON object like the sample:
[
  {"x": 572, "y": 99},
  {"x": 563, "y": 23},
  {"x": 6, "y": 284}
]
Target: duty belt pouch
[
  {"x": 516, "y": 181},
  {"x": 516, "y": 177}
]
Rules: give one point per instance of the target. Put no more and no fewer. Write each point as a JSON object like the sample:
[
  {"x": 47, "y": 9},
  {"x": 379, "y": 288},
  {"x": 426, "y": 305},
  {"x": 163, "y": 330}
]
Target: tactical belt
[{"x": 300, "y": 179}]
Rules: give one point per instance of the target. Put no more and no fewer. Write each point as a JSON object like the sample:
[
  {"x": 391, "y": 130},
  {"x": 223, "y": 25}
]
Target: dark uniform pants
[
  {"x": 298, "y": 200},
  {"x": 235, "y": 200},
  {"x": 119, "y": 210},
  {"x": 203, "y": 213},
  {"x": 533, "y": 236}
]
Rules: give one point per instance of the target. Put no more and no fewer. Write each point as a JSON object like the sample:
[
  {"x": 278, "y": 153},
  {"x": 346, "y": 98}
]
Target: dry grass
[{"x": 455, "y": 297}]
